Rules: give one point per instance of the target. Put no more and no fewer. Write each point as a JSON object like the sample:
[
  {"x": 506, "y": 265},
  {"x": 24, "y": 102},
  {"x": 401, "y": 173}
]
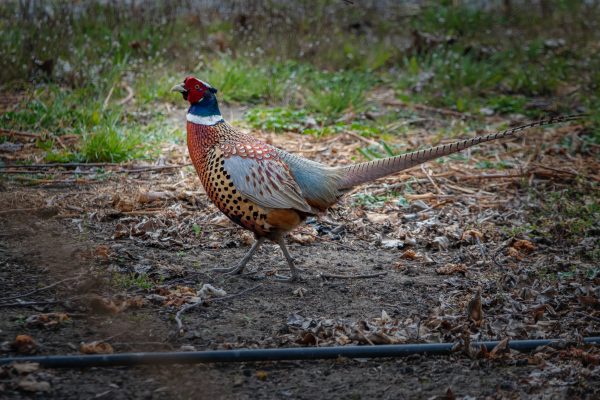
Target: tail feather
[{"x": 364, "y": 172}]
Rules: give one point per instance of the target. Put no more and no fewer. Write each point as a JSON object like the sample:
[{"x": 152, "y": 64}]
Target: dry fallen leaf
[
  {"x": 474, "y": 309},
  {"x": 399, "y": 266},
  {"x": 501, "y": 347},
  {"x": 25, "y": 367},
  {"x": 308, "y": 339},
  {"x": 135, "y": 302},
  {"x": 449, "y": 395},
  {"x": 299, "y": 292},
  {"x": 262, "y": 375},
  {"x": 96, "y": 347},
  {"x": 246, "y": 238},
  {"x": 450, "y": 269},
  {"x": 379, "y": 218},
  {"x": 123, "y": 205},
  {"x": 471, "y": 234},
  {"x": 220, "y": 220},
  {"x": 524, "y": 245},
  {"x": 301, "y": 238},
  {"x": 589, "y": 301},
  {"x": 46, "y": 320},
  {"x": 29, "y": 384},
  {"x": 101, "y": 305},
  {"x": 24, "y": 344},
  {"x": 410, "y": 254},
  {"x": 121, "y": 231},
  {"x": 586, "y": 357},
  {"x": 102, "y": 252},
  {"x": 149, "y": 197},
  {"x": 512, "y": 252},
  {"x": 538, "y": 314}
]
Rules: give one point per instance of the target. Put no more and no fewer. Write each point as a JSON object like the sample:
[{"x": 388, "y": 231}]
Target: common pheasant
[{"x": 270, "y": 191}]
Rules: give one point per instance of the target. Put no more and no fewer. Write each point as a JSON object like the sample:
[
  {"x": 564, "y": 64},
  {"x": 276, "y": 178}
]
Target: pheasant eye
[{"x": 197, "y": 87}]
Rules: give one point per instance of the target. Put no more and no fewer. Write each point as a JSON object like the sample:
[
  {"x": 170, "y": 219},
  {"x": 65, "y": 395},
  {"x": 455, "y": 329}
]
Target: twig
[
  {"x": 19, "y": 133},
  {"x": 428, "y": 175},
  {"x": 233, "y": 295},
  {"x": 201, "y": 301},
  {"x": 19, "y": 210},
  {"x": 69, "y": 164},
  {"x": 121, "y": 171},
  {"x": 35, "y": 181},
  {"x": 428, "y": 108},
  {"x": 563, "y": 171},
  {"x": 363, "y": 139},
  {"x": 375, "y": 275},
  {"x": 3, "y": 299},
  {"x": 129, "y": 96},
  {"x": 160, "y": 168},
  {"x": 492, "y": 176},
  {"x": 365, "y": 337},
  {"x": 30, "y": 303},
  {"x": 25, "y": 172},
  {"x": 107, "y": 99}
]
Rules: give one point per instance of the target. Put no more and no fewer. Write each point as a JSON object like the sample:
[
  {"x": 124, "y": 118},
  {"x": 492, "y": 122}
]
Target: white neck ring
[{"x": 204, "y": 120}]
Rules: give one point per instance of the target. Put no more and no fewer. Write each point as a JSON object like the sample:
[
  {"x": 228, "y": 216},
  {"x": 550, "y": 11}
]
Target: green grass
[
  {"x": 316, "y": 81},
  {"x": 112, "y": 144},
  {"x": 333, "y": 93},
  {"x": 279, "y": 119},
  {"x": 134, "y": 280}
]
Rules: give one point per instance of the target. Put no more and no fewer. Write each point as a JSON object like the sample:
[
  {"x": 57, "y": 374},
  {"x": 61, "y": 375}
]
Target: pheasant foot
[
  {"x": 295, "y": 275},
  {"x": 239, "y": 267}
]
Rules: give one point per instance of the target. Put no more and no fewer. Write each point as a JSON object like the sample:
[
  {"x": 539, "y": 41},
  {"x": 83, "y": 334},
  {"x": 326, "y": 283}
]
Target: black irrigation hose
[{"x": 300, "y": 353}]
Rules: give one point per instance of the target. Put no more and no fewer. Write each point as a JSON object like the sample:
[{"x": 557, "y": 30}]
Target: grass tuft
[{"x": 111, "y": 144}]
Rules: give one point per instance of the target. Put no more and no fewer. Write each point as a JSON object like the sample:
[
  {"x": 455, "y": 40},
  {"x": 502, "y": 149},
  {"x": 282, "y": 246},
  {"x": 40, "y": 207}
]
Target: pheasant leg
[
  {"x": 239, "y": 267},
  {"x": 295, "y": 276}
]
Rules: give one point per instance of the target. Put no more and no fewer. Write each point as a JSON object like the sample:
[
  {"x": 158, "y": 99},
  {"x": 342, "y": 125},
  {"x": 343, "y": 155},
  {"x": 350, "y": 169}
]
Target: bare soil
[{"x": 134, "y": 248}]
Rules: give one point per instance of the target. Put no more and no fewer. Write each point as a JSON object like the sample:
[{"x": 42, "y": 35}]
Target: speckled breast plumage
[{"x": 209, "y": 146}]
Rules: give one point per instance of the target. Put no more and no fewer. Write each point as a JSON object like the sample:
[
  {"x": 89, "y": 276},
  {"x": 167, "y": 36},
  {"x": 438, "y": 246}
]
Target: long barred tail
[{"x": 356, "y": 174}]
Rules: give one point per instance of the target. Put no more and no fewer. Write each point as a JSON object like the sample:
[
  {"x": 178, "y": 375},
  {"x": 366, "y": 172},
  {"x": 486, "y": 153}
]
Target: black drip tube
[{"x": 299, "y": 353}]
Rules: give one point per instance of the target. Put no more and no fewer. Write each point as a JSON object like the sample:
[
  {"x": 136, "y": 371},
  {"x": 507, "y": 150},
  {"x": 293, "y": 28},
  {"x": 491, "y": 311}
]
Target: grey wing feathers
[{"x": 268, "y": 183}]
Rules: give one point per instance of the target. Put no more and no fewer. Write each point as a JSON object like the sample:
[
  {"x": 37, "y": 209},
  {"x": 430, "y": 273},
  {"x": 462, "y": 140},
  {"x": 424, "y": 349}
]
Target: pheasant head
[
  {"x": 193, "y": 89},
  {"x": 204, "y": 108}
]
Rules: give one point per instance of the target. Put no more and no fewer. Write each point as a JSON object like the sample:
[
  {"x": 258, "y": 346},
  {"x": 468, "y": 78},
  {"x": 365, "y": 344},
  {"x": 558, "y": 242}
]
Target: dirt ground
[{"x": 128, "y": 250}]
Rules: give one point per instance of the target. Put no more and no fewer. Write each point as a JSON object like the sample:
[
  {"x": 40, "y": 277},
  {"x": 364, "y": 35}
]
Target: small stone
[
  {"x": 238, "y": 381},
  {"x": 486, "y": 111},
  {"x": 442, "y": 242},
  {"x": 392, "y": 244}
]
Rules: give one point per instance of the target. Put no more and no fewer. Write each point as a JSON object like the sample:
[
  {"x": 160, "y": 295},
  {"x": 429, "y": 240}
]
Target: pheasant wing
[{"x": 266, "y": 181}]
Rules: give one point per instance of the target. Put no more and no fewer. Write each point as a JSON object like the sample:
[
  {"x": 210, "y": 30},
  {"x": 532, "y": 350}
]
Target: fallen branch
[
  {"x": 25, "y": 172},
  {"x": 35, "y": 181},
  {"x": 19, "y": 133},
  {"x": 18, "y": 210},
  {"x": 563, "y": 171},
  {"x": 3, "y": 299},
  {"x": 69, "y": 164},
  {"x": 30, "y": 303},
  {"x": 202, "y": 301},
  {"x": 75, "y": 172}
]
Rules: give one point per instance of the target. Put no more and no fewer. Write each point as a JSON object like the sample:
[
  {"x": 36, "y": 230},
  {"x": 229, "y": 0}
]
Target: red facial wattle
[{"x": 195, "y": 89}]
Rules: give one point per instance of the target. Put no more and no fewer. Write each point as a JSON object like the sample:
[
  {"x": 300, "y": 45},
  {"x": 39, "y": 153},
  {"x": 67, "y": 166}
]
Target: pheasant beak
[{"x": 181, "y": 89}]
